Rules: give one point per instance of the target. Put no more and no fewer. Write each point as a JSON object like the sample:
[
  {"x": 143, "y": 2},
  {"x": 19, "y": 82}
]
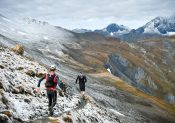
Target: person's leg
[
  {"x": 54, "y": 98},
  {"x": 49, "y": 96},
  {"x": 83, "y": 90},
  {"x": 52, "y": 101},
  {"x": 80, "y": 90}
]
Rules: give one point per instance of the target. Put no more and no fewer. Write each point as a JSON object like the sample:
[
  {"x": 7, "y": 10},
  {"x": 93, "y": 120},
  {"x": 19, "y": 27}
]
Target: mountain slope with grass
[{"x": 147, "y": 65}]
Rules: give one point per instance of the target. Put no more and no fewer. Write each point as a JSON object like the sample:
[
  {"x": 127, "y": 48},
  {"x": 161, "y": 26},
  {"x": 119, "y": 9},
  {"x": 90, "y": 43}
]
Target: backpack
[{"x": 51, "y": 80}]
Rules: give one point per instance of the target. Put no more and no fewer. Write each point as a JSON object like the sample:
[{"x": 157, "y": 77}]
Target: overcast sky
[{"x": 89, "y": 14}]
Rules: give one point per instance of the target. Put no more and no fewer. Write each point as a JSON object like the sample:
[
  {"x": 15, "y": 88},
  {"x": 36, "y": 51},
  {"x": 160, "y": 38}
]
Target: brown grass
[{"x": 118, "y": 83}]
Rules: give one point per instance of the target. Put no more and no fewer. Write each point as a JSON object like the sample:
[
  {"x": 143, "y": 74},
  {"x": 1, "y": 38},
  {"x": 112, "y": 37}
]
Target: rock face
[{"x": 130, "y": 72}]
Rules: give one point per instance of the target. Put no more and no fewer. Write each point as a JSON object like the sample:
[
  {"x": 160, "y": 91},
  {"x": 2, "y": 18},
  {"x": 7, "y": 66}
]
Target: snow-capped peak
[
  {"x": 115, "y": 28},
  {"x": 160, "y": 25}
]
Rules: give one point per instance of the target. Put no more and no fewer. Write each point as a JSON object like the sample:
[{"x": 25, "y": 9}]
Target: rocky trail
[
  {"x": 19, "y": 102},
  {"x": 67, "y": 116}
]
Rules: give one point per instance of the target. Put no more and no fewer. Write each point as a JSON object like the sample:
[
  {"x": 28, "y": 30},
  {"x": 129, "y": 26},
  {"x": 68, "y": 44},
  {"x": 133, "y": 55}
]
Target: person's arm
[
  {"x": 58, "y": 83},
  {"x": 85, "y": 79},
  {"x": 40, "y": 80},
  {"x": 77, "y": 79},
  {"x": 58, "y": 80}
]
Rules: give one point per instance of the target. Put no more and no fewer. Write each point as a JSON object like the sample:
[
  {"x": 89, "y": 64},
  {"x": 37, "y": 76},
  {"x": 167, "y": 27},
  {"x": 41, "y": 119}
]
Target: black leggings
[
  {"x": 52, "y": 97},
  {"x": 82, "y": 87}
]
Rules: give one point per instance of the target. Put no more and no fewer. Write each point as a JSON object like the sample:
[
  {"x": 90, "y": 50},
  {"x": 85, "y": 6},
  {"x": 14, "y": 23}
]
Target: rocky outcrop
[
  {"x": 30, "y": 73},
  {"x": 3, "y": 118},
  {"x": 130, "y": 72},
  {"x": 170, "y": 98},
  {"x": 18, "y": 49}
]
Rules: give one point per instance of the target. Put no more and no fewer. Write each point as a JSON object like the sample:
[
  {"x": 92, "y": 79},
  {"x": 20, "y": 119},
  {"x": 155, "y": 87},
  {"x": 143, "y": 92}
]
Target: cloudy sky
[{"x": 89, "y": 14}]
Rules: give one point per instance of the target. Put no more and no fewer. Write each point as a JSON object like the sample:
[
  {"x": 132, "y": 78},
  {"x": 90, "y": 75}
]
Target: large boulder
[
  {"x": 30, "y": 73},
  {"x": 18, "y": 49},
  {"x": 67, "y": 118}
]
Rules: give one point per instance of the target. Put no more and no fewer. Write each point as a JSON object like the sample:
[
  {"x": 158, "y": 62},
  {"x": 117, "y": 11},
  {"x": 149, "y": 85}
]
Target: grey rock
[
  {"x": 15, "y": 91},
  {"x": 170, "y": 98},
  {"x": 2, "y": 67},
  {"x": 27, "y": 100},
  {"x": 3, "y": 118},
  {"x": 21, "y": 89},
  {"x": 7, "y": 113}
]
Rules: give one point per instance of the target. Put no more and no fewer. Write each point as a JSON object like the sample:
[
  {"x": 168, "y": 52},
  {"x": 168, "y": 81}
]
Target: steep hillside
[
  {"x": 147, "y": 65},
  {"x": 20, "y": 103}
]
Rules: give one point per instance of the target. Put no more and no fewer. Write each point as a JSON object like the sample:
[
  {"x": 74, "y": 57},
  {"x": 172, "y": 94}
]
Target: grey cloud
[{"x": 88, "y": 13}]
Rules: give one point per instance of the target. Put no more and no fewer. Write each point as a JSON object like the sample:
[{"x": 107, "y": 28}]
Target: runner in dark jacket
[
  {"x": 52, "y": 82},
  {"x": 82, "y": 80}
]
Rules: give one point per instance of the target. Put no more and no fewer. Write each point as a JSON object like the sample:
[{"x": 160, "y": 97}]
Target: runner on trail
[
  {"x": 52, "y": 84},
  {"x": 82, "y": 80}
]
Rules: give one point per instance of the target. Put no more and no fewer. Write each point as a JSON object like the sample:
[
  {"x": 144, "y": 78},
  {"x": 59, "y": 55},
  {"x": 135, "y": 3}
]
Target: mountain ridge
[{"x": 157, "y": 27}]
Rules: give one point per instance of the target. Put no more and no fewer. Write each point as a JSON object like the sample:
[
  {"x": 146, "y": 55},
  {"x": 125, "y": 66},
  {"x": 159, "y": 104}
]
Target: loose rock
[
  {"x": 3, "y": 118},
  {"x": 18, "y": 49},
  {"x": 7, "y": 112}
]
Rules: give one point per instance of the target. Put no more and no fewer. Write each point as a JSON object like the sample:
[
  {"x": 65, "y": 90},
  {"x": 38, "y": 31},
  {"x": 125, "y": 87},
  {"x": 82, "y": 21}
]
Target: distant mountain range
[
  {"x": 160, "y": 26},
  {"x": 111, "y": 30}
]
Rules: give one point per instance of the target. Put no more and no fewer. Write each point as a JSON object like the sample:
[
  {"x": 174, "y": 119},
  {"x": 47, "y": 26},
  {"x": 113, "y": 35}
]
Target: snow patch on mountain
[
  {"x": 81, "y": 30},
  {"x": 171, "y": 33},
  {"x": 160, "y": 25},
  {"x": 151, "y": 29}
]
